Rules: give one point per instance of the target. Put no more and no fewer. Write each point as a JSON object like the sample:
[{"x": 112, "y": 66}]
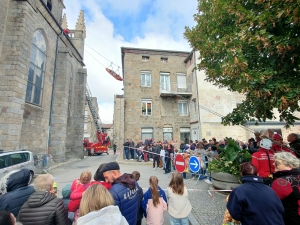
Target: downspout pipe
[
  {"x": 197, "y": 97},
  {"x": 53, "y": 90}
]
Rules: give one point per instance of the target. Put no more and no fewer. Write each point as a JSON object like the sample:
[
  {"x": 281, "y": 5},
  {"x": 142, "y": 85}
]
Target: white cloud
[{"x": 162, "y": 28}]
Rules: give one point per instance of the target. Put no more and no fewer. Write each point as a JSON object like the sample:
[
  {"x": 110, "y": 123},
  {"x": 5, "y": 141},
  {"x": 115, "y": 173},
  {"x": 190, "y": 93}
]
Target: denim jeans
[
  {"x": 132, "y": 153},
  {"x": 164, "y": 161},
  {"x": 126, "y": 153},
  {"x": 181, "y": 221}
]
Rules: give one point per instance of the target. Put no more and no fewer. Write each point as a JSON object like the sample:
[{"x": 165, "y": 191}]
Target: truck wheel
[
  {"x": 100, "y": 153},
  {"x": 89, "y": 153}
]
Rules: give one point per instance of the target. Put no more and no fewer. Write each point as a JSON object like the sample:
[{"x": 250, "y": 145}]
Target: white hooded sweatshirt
[{"x": 109, "y": 215}]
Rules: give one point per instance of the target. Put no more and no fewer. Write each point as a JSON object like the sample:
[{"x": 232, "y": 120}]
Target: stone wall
[
  {"x": 118, "y": 121},
  {"x": 24, "y": 125},
  {"x": 164, "y": 109}
]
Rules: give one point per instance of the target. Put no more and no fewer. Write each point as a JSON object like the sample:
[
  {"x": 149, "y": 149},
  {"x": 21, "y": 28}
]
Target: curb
[
  {"x": 48, "y": 170},
  {"x": 192, "y": 219}
]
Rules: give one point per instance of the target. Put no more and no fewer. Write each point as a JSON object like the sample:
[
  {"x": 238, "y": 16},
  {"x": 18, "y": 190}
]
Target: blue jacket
[
  {"x": 148, "y": 196},
  {"x": 18, "y": 191},
  {"x": 255, "y": 203},
  {"x": 125, "y": 192}
]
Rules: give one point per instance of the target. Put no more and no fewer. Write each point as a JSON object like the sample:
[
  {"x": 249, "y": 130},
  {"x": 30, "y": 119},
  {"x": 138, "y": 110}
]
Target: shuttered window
[{"x": 181, "y": 80}]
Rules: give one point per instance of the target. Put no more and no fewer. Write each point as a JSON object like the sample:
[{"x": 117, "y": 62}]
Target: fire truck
[{"x": 103, "y": 140}]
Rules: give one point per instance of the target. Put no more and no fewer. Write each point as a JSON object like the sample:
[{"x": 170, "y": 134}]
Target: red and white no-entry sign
[{"x": 179, "y": 163}]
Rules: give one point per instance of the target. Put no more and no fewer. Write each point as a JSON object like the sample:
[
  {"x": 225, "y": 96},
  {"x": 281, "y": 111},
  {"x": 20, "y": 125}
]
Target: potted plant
[{"x": 225, "y": 169}]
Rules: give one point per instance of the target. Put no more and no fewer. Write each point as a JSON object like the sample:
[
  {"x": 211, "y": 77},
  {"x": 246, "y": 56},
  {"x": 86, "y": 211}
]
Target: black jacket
[
  {"x": 296, "y": 146},
  {"x": 17, "y": 190},
  {"x": 43, "y": 208},
  {"x": 156, "y": 149}
]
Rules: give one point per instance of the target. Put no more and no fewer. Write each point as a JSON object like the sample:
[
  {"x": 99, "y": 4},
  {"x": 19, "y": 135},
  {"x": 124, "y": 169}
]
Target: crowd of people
[{"x": 108, "y": 198}]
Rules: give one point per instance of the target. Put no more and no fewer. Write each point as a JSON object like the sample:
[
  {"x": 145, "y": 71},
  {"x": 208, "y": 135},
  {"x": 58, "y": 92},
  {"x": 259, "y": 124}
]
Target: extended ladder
[{"x": 95, "y": 114}]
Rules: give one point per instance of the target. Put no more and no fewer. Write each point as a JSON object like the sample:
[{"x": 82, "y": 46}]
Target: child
[
  {"x": 154, "y": 203},
  {"x": 179, "y": 204},
  {"x": 66, "y": 191},
  {"x": 136, "y": 175},
  {"x": 77, "y": 188}
]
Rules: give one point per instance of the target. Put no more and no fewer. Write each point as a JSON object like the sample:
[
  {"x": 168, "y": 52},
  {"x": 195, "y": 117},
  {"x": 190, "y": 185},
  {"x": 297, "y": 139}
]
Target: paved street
[{"x": 207, "y": 210}]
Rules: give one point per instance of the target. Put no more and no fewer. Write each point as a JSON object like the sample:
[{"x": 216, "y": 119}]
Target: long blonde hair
[
  {"x": 176, "y": 183},
  {"x": 95, "y": 198},
  {"x": 153, "y": 181}
]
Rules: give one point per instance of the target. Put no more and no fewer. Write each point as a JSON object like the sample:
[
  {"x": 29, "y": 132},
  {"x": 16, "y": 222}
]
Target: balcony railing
[{"x": 171, "y": 89}]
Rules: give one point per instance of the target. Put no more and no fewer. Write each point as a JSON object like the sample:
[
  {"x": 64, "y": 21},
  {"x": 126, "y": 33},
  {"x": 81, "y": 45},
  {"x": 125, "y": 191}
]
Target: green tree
[{"x": 251, "y": 47}]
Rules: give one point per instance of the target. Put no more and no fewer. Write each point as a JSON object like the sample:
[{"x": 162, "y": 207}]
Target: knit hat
[{"x": 66, "y": 191}]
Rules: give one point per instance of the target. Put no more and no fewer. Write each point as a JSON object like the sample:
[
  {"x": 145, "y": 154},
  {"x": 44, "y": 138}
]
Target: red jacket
[
  {"x": 261, "y": 162},
  {"x": 278, "y": 148},
  {"x": 77, "y": 189}
]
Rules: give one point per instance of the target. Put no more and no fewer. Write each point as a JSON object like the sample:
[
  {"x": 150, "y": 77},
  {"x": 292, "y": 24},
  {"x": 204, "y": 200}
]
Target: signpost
[
  {"x": 179, "y": 163},
  {"x": 194, "y": 164}
]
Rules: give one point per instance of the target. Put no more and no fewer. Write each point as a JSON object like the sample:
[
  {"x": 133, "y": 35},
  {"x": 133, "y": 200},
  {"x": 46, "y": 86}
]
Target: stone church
[{"x": 43, "y": 79}]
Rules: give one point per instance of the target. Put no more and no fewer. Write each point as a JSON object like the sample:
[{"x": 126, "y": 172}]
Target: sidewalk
[{"x": 207, "y": 209}]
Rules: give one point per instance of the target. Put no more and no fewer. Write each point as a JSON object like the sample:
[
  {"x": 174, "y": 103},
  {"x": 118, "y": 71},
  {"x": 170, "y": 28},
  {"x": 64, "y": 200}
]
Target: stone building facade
[
  {"x": 41, "y": 67},
  {"x": 90, "y": 129},
  {"x": 156, "y": 94},
  {"x": 118, "y": 121}
]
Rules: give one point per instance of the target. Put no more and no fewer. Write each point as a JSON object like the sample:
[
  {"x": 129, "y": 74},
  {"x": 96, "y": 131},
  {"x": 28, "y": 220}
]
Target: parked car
[{"x": 17, "y": 160}]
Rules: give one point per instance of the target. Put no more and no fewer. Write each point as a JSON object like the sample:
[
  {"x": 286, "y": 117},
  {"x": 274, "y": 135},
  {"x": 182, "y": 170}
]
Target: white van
[{"x": 17, "y": 160}]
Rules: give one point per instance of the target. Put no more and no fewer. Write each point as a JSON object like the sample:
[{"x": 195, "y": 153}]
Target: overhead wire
[
  {"x": 95, "y": 58},
  {"x": 112, "y": 63}
]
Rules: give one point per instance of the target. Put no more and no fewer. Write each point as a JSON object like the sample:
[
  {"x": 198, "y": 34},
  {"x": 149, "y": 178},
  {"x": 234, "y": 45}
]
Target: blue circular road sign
[{"x": 194, "y": 164}]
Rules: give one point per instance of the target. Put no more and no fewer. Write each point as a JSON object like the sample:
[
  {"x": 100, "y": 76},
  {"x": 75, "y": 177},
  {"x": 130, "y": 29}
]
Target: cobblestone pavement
[{"x": 207, "y": 210}]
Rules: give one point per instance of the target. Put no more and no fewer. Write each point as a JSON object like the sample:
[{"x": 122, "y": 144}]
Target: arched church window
[{"x": 36, "y": 70}]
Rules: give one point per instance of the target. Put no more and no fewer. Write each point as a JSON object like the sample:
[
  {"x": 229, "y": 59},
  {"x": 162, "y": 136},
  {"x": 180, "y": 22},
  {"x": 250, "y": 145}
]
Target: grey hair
[
  {"x": 43, "y": 182},
  {"x": 288, "y": 159}
]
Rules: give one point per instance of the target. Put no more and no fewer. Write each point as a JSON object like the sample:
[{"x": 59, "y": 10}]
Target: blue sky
[{"x": 111, "y": 24}]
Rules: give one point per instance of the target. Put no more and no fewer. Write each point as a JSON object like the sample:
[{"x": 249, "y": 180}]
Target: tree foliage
[{"x": 251, "y": 47}]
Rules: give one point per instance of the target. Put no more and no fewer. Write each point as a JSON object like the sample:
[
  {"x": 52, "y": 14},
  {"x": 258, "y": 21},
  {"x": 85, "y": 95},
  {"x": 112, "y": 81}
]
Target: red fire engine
[{"x": 103, "y": 140}]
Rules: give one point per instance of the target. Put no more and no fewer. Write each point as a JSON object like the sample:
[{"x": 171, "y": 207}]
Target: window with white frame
[
  {"x": 181, "y": 80},
  {"x": 36, "y": 70},
  {"x": 145, "y": 78},
  {"x": 183, "y": 108},
  {"x": 146, "y": 107},
  {"x": 85, "y": 126},
  {"x": 165, "y": 81}
]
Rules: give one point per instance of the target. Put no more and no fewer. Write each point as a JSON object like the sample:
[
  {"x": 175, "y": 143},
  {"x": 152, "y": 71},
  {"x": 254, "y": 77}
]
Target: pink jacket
[{"x": 155, "y": 215}]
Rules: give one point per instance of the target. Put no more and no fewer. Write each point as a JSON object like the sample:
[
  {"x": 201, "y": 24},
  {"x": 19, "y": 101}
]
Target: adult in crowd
[
  {"x": 125, "y": 191},
  {"x": 154, "y": 203},
  {"x": 287, "y": 186},
  {"x": 7, "y": 218},
  {"x": 294, "y": 142},
  {"x": 15, "y": 191},
  {"x": 126, "y": 149},
  {"x": 252, "y": 146},
  {"x": 131, "y": 148},
  {"x": 247, "y": 203},
  {"x": 97, "y": 207},
  {"x": 99, "y": 178},
  {"x": 156, "y": 153},
  {"x": 179, "y": 206},
  {"x": 43, "y": 207},
  {"x": 278, "y": 145},
  {"x": 263, "y": 161}
]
